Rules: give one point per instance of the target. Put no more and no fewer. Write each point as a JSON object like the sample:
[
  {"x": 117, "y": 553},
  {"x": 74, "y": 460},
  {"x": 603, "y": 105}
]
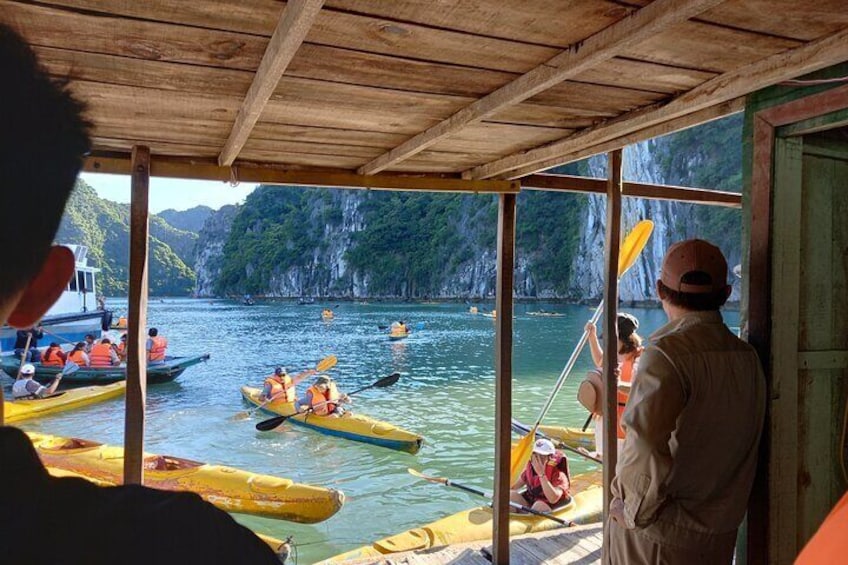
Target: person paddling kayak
[
  {"x": 324, "y": 399},
  {"x": 280, "y": 386},
  {"x": 546, "y": 478}
]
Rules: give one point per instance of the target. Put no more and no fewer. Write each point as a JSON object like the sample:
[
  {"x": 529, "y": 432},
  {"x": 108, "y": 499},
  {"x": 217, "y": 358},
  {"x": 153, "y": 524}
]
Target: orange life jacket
[
  {"x": 101, "y": 355},
  {"x": 157, "y": 348},
  {"x": 280, "y": 385},
  {"x": 626, "y": 370},
  {"x": 830, "y": 540},
  {"x": 122, "y": 349},
  {"x": 78, "y": 356},
  {"x": 558, "y": 464},
  {"x": 52, "y": 357},
  {"x": 322, "y": 402}
]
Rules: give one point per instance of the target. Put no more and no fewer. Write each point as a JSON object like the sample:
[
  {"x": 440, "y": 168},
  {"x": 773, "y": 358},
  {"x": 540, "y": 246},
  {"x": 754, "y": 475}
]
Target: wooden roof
[{"x": 480, "y": 88}]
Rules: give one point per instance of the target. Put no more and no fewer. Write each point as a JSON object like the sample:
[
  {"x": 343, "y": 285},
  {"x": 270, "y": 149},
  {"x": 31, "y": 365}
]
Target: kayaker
[
  {"x": 629, "y": 350},
  {"x": 44, "y": 137},
  {"x": 324, "y": 399},
  {"x": 53, "y": 356},
  {"x": 103, "y": 355},
  {"x": 692, "y": 425},
  {"x": 121, "y": 348},
  {"x": 26, "y": 387},
  {"x": 31, "y": 335},
  {"x": 79, "y": 356},
  {"x": 545, "y": 482},
  {"x": 156, "y": 346},
  {"x": 399, "y": 328},
  {"x": 280, "y": 386}
]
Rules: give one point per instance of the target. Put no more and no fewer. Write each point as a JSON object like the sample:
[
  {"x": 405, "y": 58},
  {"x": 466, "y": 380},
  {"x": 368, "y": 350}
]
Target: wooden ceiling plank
[
  {"x": 770, "y": 70},
  {"x": 296, "y": 20},
  {"x": 248, "y": 172},
  {"x": 664, "y": 128},
  {"x": 600, "y": 47},
  {"x": 568, "y": 183}
]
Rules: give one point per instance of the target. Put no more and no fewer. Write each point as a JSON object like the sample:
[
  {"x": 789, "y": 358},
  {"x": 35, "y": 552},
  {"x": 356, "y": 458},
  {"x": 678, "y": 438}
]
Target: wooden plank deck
[{"x": 580, "y": 545}]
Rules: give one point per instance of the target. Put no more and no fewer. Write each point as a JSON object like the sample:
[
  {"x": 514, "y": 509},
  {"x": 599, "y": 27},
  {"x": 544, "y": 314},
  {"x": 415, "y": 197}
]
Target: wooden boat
[
  {"x": 353, "y": 426},
  {"x": 157, "y": 373},
  {"x": 18, "y": 410},
  {"x": 227, "y": 488},
  {"x": 476, "y": 524}
]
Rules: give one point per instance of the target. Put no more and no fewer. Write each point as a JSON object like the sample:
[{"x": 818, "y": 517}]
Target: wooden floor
[{"x": 578, "y": 545}]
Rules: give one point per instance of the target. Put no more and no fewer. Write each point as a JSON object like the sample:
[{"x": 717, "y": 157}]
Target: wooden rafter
[
  {"x": 295, "y": 21},
  {"x": 789, "y": 64},
  {"x": 604, "y": 45},
  {"x": 684, "y": 122}
]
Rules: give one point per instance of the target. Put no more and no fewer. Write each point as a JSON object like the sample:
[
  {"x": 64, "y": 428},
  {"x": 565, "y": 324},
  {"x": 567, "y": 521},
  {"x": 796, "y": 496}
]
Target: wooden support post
[
  {"x": 503, "y": 377},
  {"x": 136, "y": 351},
  {"x": 611, "y": 251}
]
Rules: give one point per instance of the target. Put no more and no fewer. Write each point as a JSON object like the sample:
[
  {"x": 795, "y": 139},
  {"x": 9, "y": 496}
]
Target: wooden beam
[
  {"x": 568, "y": 183},
  {"x": 677, "y": 124},
  {"x": 205, "y": 170},
  {"x": 136, "y": 340},
  {"x": 770, "y": 70},
  {"x": 503, "y": 377},
  {"x": 579, "y": 57},
  {"x": 611, "y": 252},
  {"x": 295, "y": 22}
]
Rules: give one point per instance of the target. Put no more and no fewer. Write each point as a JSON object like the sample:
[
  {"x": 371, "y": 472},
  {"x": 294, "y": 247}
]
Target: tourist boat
[
  {"x": 475, "y": 524},
  {"x": 75, "y": 314},
  {"x": 227, "y": 488},
  {"x": 157, "y": 373},
  {"x": 24, "y": 409},
  {"x": 353, "y": 426}
]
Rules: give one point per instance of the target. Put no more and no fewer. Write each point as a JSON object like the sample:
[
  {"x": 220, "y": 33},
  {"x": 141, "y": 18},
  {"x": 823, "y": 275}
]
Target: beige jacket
[{"x": 693, "y": 424}]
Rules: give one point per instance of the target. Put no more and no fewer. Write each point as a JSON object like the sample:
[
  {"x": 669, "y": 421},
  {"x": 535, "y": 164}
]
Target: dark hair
[
  {"x": 79, "y": 346},
  {"x": 695, "y": 302},
  {"x": 43, "y": 137},
  {"x": 630, "y": 344},
  {"x": 153, "y": 332},
  {"x": 89, "y": 336},
  {"x": 105, "y": 340}
]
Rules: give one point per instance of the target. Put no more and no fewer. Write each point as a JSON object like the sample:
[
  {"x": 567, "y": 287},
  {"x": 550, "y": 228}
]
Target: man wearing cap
[
  {"x": 692, "y": 425},
  {"x": 26, "y": 387},
  {"x": 546, "y": 478}
]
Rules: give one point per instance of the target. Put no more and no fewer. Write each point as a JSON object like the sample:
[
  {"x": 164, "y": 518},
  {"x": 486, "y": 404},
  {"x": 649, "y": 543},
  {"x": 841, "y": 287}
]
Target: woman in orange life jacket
[
  {"x": 546, "y": 477},
  {"x": 78, "y": 355},
  {"x": 323, "y": 398},
  {"x": 121, "y": 348},
  {"x": 629, "y": 350},
  {"x": 53, "y": 356},
  {"x": 156, "y": 346}
]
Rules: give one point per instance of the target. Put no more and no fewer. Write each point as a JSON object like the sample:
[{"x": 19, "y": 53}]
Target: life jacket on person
[
  {"x": 830, "y": 540},
  {"x": 324, "y": 403},
  {"x": 557, "y": 464},
  {"x": 121, "y": 350},
  {"x": 101, "y": 355},
  {"x": 282, "y": 388},
  {"x": 52, "y": 357},
  {"x": 157, "y": 348},
  {"x": 626, "y": 370},
  {"x": 78, "y": 356}
]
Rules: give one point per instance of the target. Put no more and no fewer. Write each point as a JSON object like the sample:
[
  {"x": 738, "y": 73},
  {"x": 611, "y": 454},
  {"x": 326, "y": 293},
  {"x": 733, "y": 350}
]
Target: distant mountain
[
  {"x": 190, "y": 220},
  {"x": 103, "y": 226}
]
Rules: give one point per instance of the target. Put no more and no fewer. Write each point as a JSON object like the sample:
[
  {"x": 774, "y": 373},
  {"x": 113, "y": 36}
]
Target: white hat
[
  {"x": 28, "y": 369},
  {"x": 544, "y": 447}
]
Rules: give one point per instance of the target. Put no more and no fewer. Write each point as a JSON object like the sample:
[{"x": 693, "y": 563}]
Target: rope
[{"x": 234, "y": 180}]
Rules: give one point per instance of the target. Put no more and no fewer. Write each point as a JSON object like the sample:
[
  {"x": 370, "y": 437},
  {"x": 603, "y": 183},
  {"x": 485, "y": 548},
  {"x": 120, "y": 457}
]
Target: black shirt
[{"x": 21, "y": 338}]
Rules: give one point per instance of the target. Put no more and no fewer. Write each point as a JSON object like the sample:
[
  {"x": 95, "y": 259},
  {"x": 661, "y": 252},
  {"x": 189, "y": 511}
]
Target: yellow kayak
[
  {"x": 352, "y": 426},
  {"x": 572, "y": 437},
  {"x": 227, "y": 488},
  {"x": 17, "y": 410},
  {"x": 476, "y": 524}
]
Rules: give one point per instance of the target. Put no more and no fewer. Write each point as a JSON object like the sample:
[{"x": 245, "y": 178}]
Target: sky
[{"x": 170, "y": 193}]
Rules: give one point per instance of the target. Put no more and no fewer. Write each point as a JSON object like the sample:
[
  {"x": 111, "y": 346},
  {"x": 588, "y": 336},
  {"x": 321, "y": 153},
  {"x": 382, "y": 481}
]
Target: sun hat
[
  {"x": 544, "y": 447},
  {"x": 28, "y": 369},
  {"x": 694, "y": 255}
]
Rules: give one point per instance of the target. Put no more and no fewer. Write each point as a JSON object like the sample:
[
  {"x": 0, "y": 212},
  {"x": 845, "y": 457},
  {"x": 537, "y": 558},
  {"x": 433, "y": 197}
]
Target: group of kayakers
[{"x": 322, "y": 397}]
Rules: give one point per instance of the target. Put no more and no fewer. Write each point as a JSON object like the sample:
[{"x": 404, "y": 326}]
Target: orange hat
[{"x": 690, "y": 256}]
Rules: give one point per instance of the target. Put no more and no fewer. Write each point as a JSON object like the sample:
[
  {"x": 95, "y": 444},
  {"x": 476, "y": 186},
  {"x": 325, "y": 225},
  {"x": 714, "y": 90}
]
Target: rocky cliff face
[{"x": 209, "y": 249}]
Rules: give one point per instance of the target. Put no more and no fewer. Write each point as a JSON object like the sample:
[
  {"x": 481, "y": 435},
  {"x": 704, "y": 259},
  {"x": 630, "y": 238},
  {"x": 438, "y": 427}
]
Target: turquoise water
[{"x": 446, "y": 393}]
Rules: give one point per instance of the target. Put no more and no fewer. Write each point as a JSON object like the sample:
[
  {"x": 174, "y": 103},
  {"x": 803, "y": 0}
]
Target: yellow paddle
[
  {"x": 324, "y": 364},
  {"x": 631, "y": 247}
]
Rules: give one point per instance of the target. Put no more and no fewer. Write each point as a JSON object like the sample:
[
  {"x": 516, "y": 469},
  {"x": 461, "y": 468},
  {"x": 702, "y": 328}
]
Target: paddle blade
[
  {"x": 520, "y": 456},
  {"x": 326, "y": 363},
  {"x": 633, "y": 245},
  {"x": 387, "y": 381},
  {"x": 271, "y": 423},
  {"x": 421, "y": 475}
]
